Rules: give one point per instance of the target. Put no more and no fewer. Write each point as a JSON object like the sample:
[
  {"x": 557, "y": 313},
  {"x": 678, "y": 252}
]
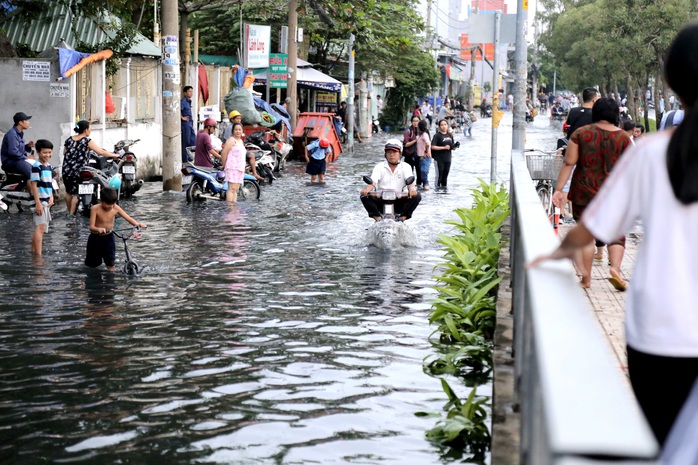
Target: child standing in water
[
  {"x": 41, "y": 185},
  {"x": 101, "y": 245},
  {"x": 315, "y": 154}
]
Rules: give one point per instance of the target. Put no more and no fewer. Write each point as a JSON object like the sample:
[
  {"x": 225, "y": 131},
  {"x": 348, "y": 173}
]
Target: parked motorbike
[
  {"x": 100, "y": 173},
  {"x": 210, "y": 184},
  {"x": 14, "y": 190},
  {"x": 272, "y": 142},
  {"x": 376, "y": 126},
  {"x": 265, "y": 162},
  {"x": 127, "y": 168},
  {"x": 388, "y": 232},
  {"x": 529, "y": 116}
]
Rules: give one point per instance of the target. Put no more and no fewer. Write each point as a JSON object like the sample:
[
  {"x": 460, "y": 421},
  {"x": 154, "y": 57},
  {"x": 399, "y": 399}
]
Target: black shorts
[
  {"x": 316, "y": 167},
  {"x": 100, "y": 248},
  {"x": 71, "y": 184}
]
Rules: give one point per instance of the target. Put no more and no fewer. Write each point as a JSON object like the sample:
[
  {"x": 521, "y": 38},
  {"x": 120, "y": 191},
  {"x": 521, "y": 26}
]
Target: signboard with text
[
  {"x": 278, "y": 70},
  {"x": 257, "y": 45}
]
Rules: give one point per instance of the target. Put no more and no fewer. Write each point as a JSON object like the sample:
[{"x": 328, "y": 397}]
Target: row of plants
[{"x": 464, "y": 314}]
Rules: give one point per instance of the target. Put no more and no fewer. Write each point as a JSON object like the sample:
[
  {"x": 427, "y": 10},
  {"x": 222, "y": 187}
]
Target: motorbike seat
[
  {"x": 207, "y": 169},
  {"x": 13, "y": 176}
]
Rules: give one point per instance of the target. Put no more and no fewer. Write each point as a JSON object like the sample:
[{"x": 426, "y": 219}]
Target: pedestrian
[
  {"x": 581, "y": 116},
  {"x": 234, "y": 117},
  {"x": 409, "y": 142},
  {"x": 593, "y": 151},
  {"x": 655, "y": 183},
  {"x": 13, "y": 152},
  {"x": 417, "y": 111},
  {"x": 442, "y": 144},
  {"x": 101, "y": 246},
  {"x": 315, "y": 156},
  {"x": 510, "y": 102},
  {"x": 233, "y": 162},
  {"x": 42, "y": 190},
  {"x": 424, "y": 153},
  {"x": 638, "y": 132},
  {"x": 187, "y": 123},
  {"x": 76, "y": 154},
  {"x": 379, "y": 106}
]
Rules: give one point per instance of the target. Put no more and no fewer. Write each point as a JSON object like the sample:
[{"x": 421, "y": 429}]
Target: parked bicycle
[{"x": 544, "y": 167}]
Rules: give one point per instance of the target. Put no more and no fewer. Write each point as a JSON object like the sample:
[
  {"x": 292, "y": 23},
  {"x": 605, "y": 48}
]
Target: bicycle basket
[{"x": 544, "y": 166}]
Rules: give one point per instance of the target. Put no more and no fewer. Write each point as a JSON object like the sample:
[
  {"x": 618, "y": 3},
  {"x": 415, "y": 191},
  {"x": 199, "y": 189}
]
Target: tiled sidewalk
[{"x": 608, "y": 303}]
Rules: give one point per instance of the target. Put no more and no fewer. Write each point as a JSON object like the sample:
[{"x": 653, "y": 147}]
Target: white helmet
[{"x": 394, "y": 144}]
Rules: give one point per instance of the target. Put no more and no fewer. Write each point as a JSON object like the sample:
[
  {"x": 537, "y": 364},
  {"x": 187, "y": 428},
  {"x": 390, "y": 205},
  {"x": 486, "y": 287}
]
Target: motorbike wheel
[
  {"x": 126, "y": 191},
  {"x": 266, "y": 173},
  {"x": 194, "y": 192},
  {"x": 249, "y": 190}
]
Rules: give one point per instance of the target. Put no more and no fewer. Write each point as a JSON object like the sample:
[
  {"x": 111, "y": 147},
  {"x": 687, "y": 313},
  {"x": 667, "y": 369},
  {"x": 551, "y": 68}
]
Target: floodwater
[{"x": 269, "y": 333}]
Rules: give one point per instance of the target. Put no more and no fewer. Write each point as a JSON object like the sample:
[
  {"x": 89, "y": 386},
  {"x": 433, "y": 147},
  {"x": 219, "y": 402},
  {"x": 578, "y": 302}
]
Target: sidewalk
[{"x": 608, "y": 303}]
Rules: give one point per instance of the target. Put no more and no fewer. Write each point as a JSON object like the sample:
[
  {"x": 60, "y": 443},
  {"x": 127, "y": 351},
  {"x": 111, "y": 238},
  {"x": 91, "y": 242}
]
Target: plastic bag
[{"x": 240, "y": 99}]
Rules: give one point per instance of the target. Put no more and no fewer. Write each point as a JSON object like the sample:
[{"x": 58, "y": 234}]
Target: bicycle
[
  {"x": 131, "y": 267},
  {"x": 544, "y": 168}
]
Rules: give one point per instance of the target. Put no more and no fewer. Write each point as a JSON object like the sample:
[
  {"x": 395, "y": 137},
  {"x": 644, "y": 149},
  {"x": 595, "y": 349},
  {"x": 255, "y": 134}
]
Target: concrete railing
[{"x": 575, "y": 406}]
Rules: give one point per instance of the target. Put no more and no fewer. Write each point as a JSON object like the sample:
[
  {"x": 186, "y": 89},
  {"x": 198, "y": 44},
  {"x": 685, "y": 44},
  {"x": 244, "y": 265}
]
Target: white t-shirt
[
  {"x": 661, "y": 315},
  {"x": 384, "y": 178}
]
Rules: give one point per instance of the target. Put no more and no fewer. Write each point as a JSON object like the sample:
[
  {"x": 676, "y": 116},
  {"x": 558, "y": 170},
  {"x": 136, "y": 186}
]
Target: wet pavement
[{"x": 265, "y": 333}]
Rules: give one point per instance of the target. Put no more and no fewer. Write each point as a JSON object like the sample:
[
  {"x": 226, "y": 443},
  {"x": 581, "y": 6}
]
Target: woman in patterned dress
[
  {"x": 594, "y": 150},
  {"x": 76, "y": 155}
]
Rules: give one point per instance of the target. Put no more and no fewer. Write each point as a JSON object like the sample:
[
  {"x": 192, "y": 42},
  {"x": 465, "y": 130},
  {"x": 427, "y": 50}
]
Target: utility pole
[
  {"x": 171, "y": 117},
  {"x": 292, "y": 88},
  {"x": 349, "y": 115},
  {"x": 519, "y": 126},
  {"x": 496, "y": 117},
  {"x": 430, "y": 42}
]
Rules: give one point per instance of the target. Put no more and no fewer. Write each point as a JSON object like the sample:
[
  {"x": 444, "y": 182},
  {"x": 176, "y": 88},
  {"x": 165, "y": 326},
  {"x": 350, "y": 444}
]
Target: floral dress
[
  {"x": 235, "y": 163},
  {"x": 75, "y": 156}
]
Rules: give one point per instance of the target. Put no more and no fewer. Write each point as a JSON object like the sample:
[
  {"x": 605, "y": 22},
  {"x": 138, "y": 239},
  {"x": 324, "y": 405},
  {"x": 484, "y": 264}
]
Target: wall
[{"x": 33, "y": 98}]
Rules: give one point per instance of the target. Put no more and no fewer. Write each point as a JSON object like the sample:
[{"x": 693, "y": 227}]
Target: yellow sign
[{"x": 525, "y": 4}]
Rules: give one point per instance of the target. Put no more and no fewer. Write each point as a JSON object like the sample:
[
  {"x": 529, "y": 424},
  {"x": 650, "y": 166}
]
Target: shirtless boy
[{"x": 101, "y": 245}]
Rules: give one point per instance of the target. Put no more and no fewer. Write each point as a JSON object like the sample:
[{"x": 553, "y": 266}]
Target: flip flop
[
  {"x": 598, "y": 259},
  {"x": 617, "y": 282}
]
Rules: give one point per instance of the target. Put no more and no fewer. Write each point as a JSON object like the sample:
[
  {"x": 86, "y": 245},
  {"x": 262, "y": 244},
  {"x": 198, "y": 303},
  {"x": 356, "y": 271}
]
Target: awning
[{"x": 306, "y": 77}]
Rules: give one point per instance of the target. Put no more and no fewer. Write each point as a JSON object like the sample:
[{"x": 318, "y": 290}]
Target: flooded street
[{"x": 269, "y": 333}]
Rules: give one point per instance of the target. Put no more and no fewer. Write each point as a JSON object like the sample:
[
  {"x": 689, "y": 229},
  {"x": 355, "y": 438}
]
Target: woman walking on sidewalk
[
  {"x": 594, "y": 150},
  {"x": 655, "y": 182}
]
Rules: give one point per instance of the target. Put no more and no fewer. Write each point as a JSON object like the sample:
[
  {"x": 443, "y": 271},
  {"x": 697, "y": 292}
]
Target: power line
[{"x": 449, "y": 17}]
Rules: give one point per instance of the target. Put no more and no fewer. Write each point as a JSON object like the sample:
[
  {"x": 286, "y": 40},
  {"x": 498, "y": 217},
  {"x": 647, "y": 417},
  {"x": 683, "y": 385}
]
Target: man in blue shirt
[
  {"x": 14, "y": 148},
  {"x": 188, "y": 134}
]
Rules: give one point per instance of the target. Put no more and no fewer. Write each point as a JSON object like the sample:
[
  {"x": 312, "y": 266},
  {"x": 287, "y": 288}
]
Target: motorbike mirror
[
  {"x": 368, "y": 180},
  {"x": 409, "y": 180}
]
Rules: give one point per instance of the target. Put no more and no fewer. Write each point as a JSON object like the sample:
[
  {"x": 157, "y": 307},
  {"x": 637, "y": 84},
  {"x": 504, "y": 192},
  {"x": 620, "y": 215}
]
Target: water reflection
[{"x": 260, "y": 333}]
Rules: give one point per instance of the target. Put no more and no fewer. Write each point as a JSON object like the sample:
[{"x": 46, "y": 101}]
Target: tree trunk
[
  {"x": 631, "y": 103},
  {"x": 647, "y": 104}
]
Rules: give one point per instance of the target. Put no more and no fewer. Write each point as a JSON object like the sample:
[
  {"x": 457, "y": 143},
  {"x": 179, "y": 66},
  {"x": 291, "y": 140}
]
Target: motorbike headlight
[{"x": 389, "y": 195}]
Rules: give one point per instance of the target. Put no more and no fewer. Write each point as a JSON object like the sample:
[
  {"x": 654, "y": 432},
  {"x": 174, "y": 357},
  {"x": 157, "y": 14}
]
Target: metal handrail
[{"x": 575, "y": 405}]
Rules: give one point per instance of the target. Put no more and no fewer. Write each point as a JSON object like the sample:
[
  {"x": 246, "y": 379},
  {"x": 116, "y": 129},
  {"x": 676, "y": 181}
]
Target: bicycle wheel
[
  {"x": 544, "y": 196},
  {"x": 249, "y": 190}
]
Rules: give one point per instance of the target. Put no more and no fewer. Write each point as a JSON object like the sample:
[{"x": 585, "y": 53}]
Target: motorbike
[
  {"x": 14, "y": 190},
  {"x": 272, "y": 142},
  {"x": 265, "y": 162},
  {"x": 529, "y": 116},
  {"x": 127, "y": 168},
  {"x": 100, "y": 173},
  {"x": 389, "y": 232},
  {"x": 486, "y": 112},
  {"x": 210, "y": 184},
  {"x": 376, "y": 126}
]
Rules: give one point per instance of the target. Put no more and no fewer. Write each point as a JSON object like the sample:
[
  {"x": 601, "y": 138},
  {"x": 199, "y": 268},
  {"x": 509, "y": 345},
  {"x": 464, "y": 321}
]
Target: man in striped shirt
[{"x": 41, "y": 185}]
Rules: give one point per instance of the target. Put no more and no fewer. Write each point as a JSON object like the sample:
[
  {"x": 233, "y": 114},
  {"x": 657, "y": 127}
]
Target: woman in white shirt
[{"x": 657, "y": 182}]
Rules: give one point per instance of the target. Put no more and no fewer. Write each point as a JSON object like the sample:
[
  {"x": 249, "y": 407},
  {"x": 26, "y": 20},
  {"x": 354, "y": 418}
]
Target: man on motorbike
[
  {"x": 204, "y": 147},
  {"x": 391, "y": 174},
  {"x": 556, "y": 112},
  {"x": 14, "y": 149}
]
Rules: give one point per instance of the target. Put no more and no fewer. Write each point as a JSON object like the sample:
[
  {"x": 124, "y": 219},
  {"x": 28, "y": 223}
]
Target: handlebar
[{"x": 134, "y": 232}]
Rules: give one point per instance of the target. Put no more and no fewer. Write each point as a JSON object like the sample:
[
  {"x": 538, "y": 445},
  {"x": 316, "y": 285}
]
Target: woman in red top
[{"x": 594, "y": 150}]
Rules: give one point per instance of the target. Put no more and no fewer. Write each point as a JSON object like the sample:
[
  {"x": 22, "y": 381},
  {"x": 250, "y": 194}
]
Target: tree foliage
[{"x": 611, "y": 43}]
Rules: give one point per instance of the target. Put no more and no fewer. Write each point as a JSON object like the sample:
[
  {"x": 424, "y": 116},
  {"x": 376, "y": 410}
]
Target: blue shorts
[
  {"x": 316, "y": 167},
  {"x": 100, "y": 248}
]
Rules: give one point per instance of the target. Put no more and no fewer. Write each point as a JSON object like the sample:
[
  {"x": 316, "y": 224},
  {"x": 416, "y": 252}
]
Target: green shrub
[{"x": 465, "y": 314}]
